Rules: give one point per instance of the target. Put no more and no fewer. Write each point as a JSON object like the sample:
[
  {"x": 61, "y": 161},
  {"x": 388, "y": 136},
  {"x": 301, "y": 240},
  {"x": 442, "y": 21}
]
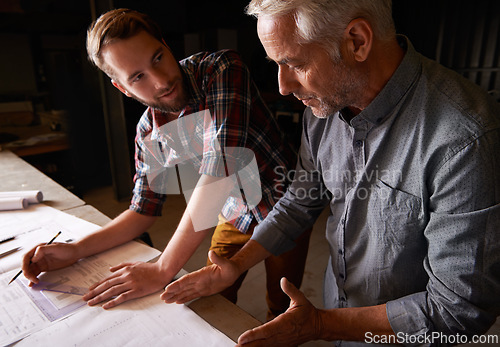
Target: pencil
[
  {"x": 14, "y": 250},
  {"x": 7, "y": 239},
  {"x": 21, "y": 271}
]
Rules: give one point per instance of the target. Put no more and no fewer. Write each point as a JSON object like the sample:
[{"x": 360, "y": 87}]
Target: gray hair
[{"x": 323, "y": 21}]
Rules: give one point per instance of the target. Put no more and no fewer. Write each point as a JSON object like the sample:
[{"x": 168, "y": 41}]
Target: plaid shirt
[{"x": 221, "y": 84}]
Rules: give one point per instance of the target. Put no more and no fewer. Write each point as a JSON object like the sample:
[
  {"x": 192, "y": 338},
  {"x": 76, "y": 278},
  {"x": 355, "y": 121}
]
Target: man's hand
[
  {"x": 128, "y": 281},
  {"x": 299, "y": 324},
  {"x": 44, "y": 258},
  {"x": 206, "y": 281}
]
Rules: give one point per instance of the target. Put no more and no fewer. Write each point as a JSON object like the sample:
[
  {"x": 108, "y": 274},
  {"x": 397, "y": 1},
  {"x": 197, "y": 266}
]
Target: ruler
[
  {"x": 46, "y": 306},
  {"x": 59, "y": 287}
]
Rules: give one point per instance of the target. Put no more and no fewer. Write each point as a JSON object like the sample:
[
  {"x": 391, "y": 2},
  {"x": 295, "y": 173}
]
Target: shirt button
[
  {"x": 342, "y": 298},
  {"x": 341, "y": 276},
  {"x": 359, "y": 143},
  {"x": 341, "y": 252}
]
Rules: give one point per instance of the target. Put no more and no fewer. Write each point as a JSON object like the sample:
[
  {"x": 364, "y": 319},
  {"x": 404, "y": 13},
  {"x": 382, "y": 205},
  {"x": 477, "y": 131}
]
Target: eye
[
  {"x": 138, "y": 78},
  {"x": 158, "y": 58},
  {"x": 297, "y": 67}
]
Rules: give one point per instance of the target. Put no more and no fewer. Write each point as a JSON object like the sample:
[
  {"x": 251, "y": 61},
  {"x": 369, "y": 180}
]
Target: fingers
[
  {"x": 254, "y": 336},
  {"x": 281, "y": 331},
  {"x": 209, "y": 280},
  {"x": 118, "y": 295},
  {"x": 290, "y": 328},
  {"x": 288, "y": 288},
  {"x": 246, "y": 337},
  {"x": 119, "y": 299},
  {"x": 113, "y": 285},
  {"x": 44, "y": 258},
  {"x": 38, "y": 254},
  {"x": 180, "y": 298},
  {"x": 181, "y": 291},
  {"x": 256, "y": 343},
  {"x": 119, "y": 266},
  {"x": 106, "y": 289},
  {"x": 105, "y": 282},
  {"x": 128, "y": 281},
  {"x": 31, "y": 272},
  {"x": 295, "y": 295},
  {"x": 185, "y": 289},
  {"x": 170, "y": 291}
]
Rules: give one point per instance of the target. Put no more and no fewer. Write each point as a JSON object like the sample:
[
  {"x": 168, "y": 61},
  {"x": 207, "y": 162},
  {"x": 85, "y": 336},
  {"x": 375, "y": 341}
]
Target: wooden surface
[
  {"x": 90, "y": 214},
  {"x": 223, "y": 315},
  {"x": 16, "y": 174}
]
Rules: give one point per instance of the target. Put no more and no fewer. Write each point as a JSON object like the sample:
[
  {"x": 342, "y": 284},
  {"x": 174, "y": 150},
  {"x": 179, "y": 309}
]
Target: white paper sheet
[
  {"x": 20, "y": 314},
  {"x": 34, "y": 225},
  {"x": 147, "y": 321}
]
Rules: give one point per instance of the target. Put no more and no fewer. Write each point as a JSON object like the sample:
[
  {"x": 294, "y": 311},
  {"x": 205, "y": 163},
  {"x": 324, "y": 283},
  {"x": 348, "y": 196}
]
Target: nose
[
  {"x": 159, "y": 79},
  {"x": 287, "y": 80}
]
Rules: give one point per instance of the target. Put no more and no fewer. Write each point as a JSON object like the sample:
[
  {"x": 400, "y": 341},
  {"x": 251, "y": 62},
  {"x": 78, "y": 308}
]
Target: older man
[{"x": 405, "y": 153}]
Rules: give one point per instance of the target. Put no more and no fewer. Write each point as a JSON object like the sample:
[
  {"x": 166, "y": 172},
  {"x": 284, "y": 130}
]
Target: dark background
[{"x": 43, "y": 60}]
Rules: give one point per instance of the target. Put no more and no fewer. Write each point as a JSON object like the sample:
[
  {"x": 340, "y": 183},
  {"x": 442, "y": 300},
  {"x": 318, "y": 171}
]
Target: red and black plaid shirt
[{"x": 221, "y": 83}]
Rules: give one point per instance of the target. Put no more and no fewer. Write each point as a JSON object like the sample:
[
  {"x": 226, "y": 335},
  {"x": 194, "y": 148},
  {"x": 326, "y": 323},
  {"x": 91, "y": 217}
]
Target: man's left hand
[
  {"x": 128, "y": 281},
  {"x": 299, "y": 324}
]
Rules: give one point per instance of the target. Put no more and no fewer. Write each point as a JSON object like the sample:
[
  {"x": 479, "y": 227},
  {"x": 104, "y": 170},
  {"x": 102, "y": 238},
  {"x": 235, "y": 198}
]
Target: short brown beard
[{"x": 179, "y": 105}]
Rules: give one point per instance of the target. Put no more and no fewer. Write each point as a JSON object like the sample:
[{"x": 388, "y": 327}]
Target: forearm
[
  {"x": 196, "y": 223},
  {"x": 126, "y": 227},
  {"x": 353, "y": 323},
  {"x": 181, "y": 247},
  {"x": 248, "y": 256}
]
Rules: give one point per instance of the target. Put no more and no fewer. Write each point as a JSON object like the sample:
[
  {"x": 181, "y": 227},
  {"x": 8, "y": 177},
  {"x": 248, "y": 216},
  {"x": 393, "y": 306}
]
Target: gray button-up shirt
[{"x": 413, "y": 186}]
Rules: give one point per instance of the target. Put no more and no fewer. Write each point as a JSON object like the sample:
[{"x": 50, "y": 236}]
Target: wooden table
[{"x": 16, "y": 174}]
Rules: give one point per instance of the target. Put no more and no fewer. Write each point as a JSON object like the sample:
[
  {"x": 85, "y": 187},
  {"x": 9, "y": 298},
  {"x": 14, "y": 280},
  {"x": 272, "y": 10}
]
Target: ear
[
  {"x": 359, "y": 37},
  {"x": 120, "y": 88}
]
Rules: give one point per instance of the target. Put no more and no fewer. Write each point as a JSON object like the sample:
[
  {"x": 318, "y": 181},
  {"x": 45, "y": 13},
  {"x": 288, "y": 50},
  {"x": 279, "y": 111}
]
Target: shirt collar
[
  {"x": 398, "y": 85},
  {"x": 195, "y": 94}
]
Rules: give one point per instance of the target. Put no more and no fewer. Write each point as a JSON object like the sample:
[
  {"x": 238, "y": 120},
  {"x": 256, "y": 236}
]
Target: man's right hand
[
  {"x": 44, "y": 258},
  {"x": 209, "y": 280}
]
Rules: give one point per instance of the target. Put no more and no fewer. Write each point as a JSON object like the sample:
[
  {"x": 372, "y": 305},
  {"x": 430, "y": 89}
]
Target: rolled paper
[
  {"x": 13, "y": 203},
  {"x": 32, "y": 196}
]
